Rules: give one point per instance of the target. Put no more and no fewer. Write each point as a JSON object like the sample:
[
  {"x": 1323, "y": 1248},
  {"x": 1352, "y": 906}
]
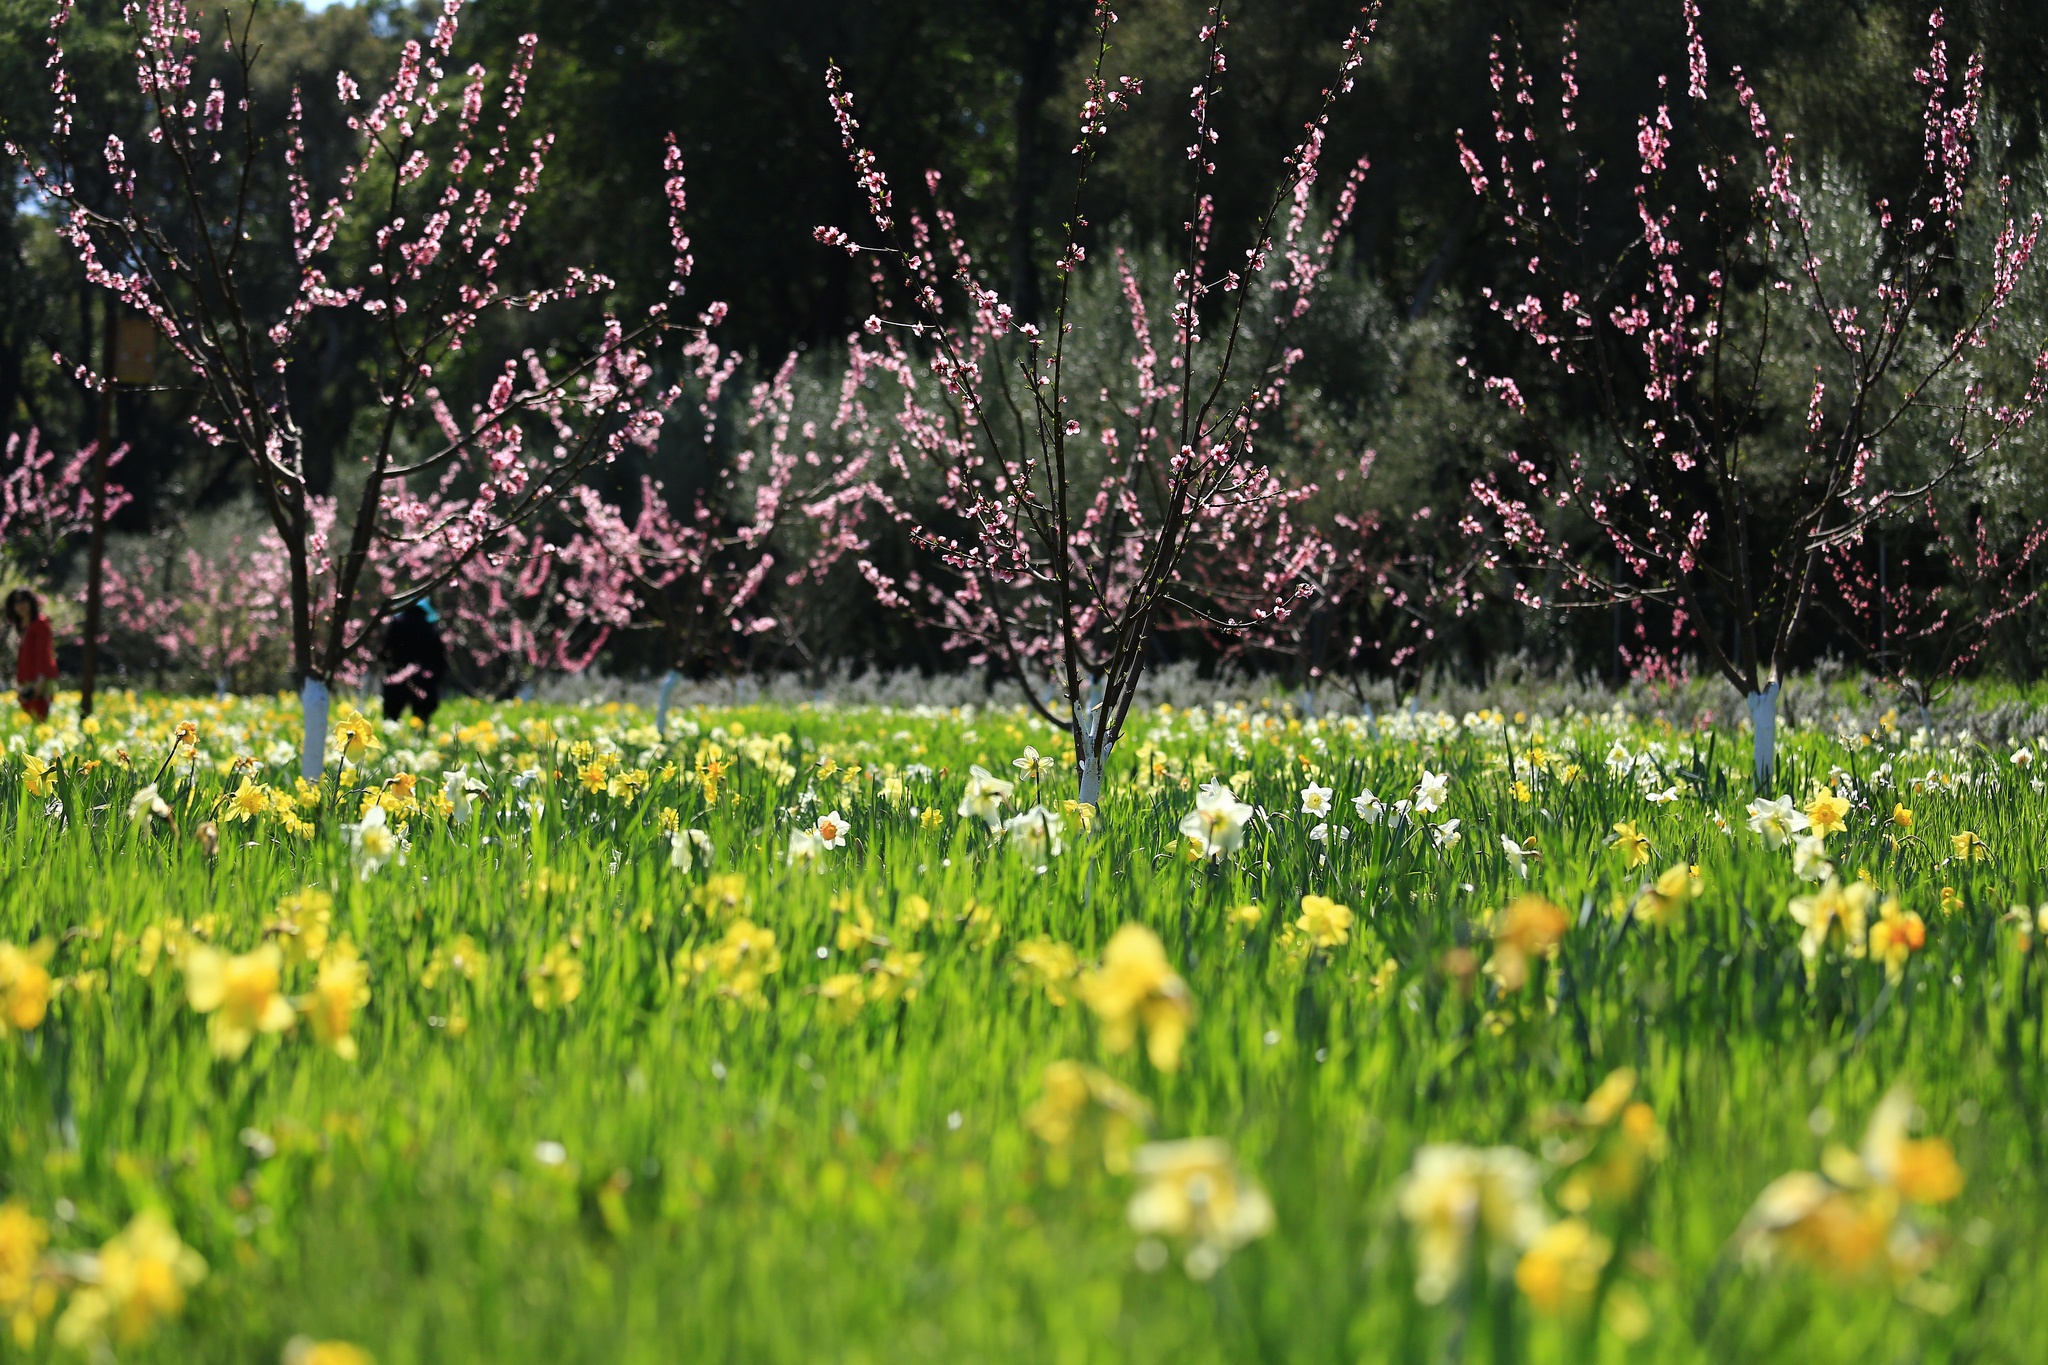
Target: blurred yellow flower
[
  {"x": 138, "y": 1279},
  {"x": 341, "y": 988},
  {"x": 1530, "y": 927},
  {"x": 1048, "y": 963},
  {"x": 1847, "y": 1215},
  {"x": 1897, "y": 935},
  {"x": 306, "y": 1351},
  {"x": 1950, "y": 900},
  {"x": 1833, "y": 912},
  {"x": 24, "y": 1301},
  {"x": 1969, "y": 848},
  {"x": 24, "y": 985},
  {"x": 738, "y": 966},
  {"x": 241, "y": 995},
  {"x": 556, "y": 980},
  {"x": 1561, "y": 1268},
  {"x": 1135, "y": 987},
  {"x": 1634, "y": 846},
  {"x": 301, "y": 924},
  {"x": 1326, "y": 923},
  {"x": 1901, "y": 817}
]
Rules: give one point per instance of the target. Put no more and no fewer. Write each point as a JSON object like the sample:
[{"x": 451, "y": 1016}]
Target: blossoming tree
[
  {"x": 1733, "y": 290},
  {"x": 1057, "y": 507},
  {"x": 409, "y": 241}
]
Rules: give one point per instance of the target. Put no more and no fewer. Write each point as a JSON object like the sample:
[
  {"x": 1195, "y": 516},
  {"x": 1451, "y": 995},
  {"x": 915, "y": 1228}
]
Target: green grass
[{"x": 654, "y": 1172}]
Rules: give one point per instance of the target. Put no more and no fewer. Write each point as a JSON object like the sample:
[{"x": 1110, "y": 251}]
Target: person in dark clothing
[{"x": 415, "y": 661}]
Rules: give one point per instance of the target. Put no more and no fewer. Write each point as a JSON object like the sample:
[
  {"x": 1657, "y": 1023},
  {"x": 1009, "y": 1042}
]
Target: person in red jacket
[{"x": 35, "y": 668}]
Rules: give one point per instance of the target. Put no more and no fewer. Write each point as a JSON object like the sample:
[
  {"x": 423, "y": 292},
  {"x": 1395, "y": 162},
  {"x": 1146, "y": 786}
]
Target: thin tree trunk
[{"x": 96, "y": 554}]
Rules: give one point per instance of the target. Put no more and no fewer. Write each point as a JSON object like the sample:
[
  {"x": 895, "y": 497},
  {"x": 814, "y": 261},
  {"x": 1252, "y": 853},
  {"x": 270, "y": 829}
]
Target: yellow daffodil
[
  {"x": 1827, "y": 813},
  {"x": 1969, "y": 848},
  {"x": 1951, "y": 901},
  {"x": 1902, "y": 818},
  {"x": 1134, "y": 988},
  {"x": 1633, "y": 845},
  {"x": 358, "y": 737},
  {"x": 241, "y": 995}
]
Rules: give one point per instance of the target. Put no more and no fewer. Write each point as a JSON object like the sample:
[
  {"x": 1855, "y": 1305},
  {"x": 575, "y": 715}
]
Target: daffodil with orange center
[{"x": 1896, "y": 936}]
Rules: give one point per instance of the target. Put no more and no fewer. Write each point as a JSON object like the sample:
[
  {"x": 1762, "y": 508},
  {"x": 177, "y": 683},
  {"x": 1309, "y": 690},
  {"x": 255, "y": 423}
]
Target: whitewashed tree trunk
[
  {"x": 668, "y": 684},
  {"x": 313, "y": 716},
  {"x": 1763, "y": 719},
  {"x": 1092, "y": 754}
]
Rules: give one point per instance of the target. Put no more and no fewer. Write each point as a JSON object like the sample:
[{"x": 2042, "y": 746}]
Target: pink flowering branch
[
  {"x": 1065, "y": 520},
  {"x": 410, "y": 238},
  {"x": 1677, "y": 359}
]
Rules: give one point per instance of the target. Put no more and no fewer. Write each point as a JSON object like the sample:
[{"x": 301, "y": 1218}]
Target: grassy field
[{"x": 533, "y": 1037}]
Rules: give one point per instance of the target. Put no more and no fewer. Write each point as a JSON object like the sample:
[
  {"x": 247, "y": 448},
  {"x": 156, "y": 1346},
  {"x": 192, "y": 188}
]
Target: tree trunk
[
  {"x": 313, "y": 716},
  {"x": 96, "y": 553},
  {"x": 1763, "y": 716}
]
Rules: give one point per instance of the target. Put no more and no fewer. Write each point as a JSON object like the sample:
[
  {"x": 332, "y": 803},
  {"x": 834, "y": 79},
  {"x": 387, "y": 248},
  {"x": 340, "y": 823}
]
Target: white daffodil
[
  {"x": 984, "y": 797},
  {"x": 1369, "y": 807},
  {"x": 372, "y": 842},
  {"x": 831, "y": 830},
  {"x": 1446, "y": 834},
  {"x": 460, "y": 790},
  {"x": 1777, "y": 821},
  {"x": 1217, "y": 822},
  {"x": 2023, "y": 757},
  {"x": 1315, "y": 800},
  {"x": 1810, "y": 859},
  {"x": 685, "y": 846},
  {"x": 1035, "y": 834},
  {"x": 1663, "y": 798},
  {"x": 1619, "y": 760},
  {"x": 1431, "y": 792},
  {"x": 805, "y": 847},
  {"x": 1033, "y": 764},
  {"x": 146, "y": 803},
  {"x": 1518, "y": 855}
]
